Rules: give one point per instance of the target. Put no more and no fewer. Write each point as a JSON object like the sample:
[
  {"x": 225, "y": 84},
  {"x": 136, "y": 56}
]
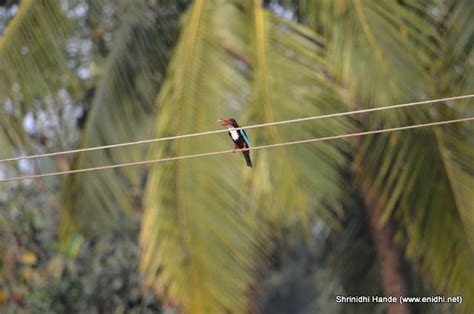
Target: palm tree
[
  {"x": 385, "y": 174},
  {"x": 209, "y": 225}
]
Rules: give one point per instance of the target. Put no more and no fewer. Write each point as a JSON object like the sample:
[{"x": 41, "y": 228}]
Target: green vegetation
[{"x": 388, "y": 214}]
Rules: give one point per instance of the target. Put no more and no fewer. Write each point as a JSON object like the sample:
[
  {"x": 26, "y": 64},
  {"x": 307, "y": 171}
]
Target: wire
[
  {"x": 312, "y": 140},
  {"x": 332, "y": 115}
]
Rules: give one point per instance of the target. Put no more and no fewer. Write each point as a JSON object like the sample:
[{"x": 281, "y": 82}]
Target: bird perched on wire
[{"x": 239, "y": 137}]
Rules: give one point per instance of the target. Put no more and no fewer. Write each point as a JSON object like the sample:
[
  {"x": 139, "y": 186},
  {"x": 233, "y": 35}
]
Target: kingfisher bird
[{"x": 239, "y": 137}]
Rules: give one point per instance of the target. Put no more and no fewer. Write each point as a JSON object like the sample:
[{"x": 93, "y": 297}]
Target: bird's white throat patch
[{"x": 233, "y": 133}]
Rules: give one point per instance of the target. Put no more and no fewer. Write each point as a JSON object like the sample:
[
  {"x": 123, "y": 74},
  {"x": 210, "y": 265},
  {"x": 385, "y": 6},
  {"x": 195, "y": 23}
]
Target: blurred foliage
[
  {"x": 207, "y": 235},
  {"x": 124, "y": 93},
  {"x": 97, "y": 275},
  {"x": 38, "y": 275}
]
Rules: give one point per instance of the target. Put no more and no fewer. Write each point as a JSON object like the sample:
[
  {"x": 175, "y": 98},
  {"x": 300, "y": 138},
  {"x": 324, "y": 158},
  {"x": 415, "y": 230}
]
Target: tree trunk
[{"x": 389, "y": 256}]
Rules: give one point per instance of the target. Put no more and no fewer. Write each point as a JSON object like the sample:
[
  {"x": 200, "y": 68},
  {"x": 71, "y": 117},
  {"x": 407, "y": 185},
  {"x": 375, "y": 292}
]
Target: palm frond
[
  {"x": 121, "y": 111},
  {"x": 290, "y": 81},
  {"x": 455, "y": 144},
  {"x": 454, "y": 67},
  {"x": 33, "y": 65},
  {"x": 216, "y": 70},
  {"x": 456, "y": 150},
  {"x": 197, "y": 250},
  {"x": 455, "y": 75},
  {"x": 410, "y": 173},
  {"x": 459, "y": 30},
  {"x": 435, "y": 222},
  {"x": 378, "y": 50},
  {"x": 31, "y": 52}
]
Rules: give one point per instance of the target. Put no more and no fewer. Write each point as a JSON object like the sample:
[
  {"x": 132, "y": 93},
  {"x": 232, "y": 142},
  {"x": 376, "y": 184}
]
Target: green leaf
[
  {"x": 291, "y": 185},
  {"x": 121, "y": 111},
  {"x": 33, "y": 65},
  {"x": 202, "y": 221},
  {"x": 198, "y": 249},
  {"x": 384, "y": 53}
]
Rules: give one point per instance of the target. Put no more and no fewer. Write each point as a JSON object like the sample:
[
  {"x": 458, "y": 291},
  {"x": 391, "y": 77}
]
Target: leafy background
[{"x": 307, "y": 223}]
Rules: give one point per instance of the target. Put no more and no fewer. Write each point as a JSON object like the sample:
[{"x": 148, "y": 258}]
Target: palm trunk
[{"x": 389, "y": 256}]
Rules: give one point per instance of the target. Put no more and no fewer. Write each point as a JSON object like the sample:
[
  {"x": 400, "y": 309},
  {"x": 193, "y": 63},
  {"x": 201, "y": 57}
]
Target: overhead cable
[
  {"x": 175, "y": 137},
  {"x": 312, "y": 140}
]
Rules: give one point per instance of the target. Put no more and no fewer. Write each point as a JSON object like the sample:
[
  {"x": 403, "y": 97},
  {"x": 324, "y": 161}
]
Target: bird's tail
[{"x": 247, "y": 159}]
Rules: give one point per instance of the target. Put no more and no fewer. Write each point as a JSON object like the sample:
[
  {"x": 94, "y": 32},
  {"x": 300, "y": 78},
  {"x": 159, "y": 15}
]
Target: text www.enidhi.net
[
  {"x": 400, "y": 299},
  {"x": 431, "y": 299}
]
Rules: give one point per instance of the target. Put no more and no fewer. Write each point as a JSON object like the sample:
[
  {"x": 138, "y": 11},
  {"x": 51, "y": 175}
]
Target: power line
[
  {"x": 332, "y": 115},
  {"x": 312, "y": 140}
]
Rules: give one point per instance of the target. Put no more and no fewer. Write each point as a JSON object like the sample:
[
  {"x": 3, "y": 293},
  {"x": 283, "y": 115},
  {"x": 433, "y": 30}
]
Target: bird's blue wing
[{"x": 246, "y": 139}]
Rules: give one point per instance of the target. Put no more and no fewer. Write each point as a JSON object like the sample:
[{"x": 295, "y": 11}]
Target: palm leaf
[
  {"x": 31, "y": 51},
  {"x": 409, "y": 173},
  {"x": 367, "y": 48},
  {"x": 456, "y": 144},
  {"x": 454, "y": 67},
  {"x": 432, "y": 212},
  {"x": 198, "y": 252},
  {"x": 211, "y": 76},
  {"x": 120, "y": 112},
  {"x": 33, "y": 66},
  {"x": 289, "y": 82},
  {"x": 455, "y": 149}
]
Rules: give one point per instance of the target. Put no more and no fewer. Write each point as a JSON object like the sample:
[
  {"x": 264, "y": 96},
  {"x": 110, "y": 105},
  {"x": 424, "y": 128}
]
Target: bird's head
[{"x": 228, "y": 122}]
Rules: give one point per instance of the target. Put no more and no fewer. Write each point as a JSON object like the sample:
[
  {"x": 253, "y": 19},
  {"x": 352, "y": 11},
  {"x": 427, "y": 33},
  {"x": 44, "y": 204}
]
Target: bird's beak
[{"x": 223, "y": 122}]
